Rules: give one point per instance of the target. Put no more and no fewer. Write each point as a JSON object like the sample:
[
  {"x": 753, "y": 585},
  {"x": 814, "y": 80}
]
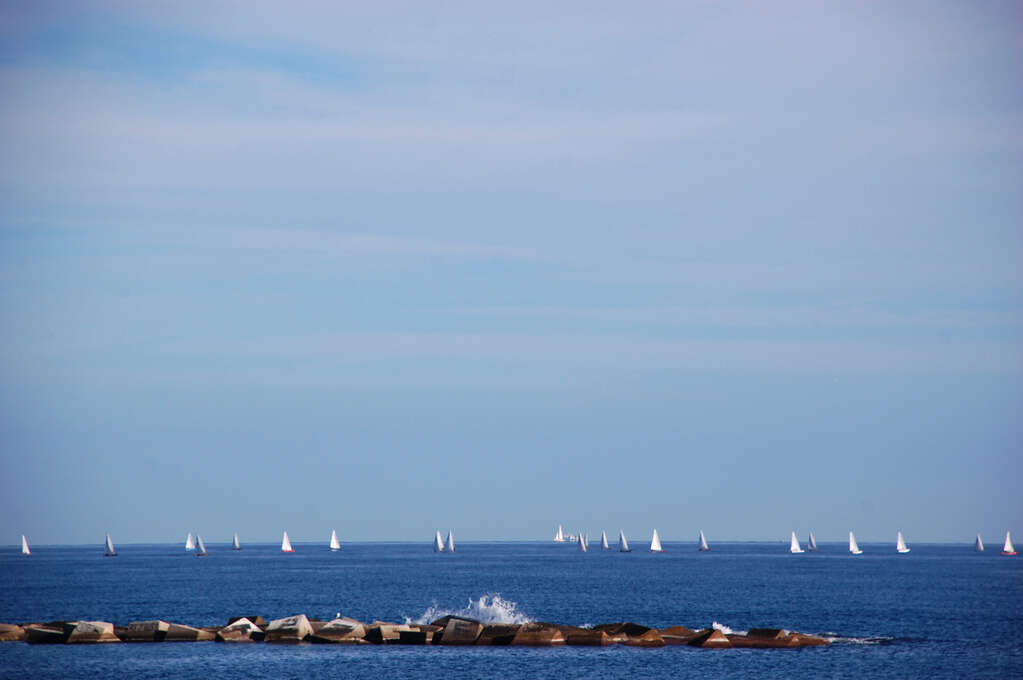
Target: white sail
[
  {"x": 583, "y": 547},
  {"x": 24, "y": 546},
  {"x": 334, "y": 543},
  {"x": 286, "y": 544},
  {"x": 703, "y": 542},
  {"x": 559, "y": 535},
  {"x": 603, "y": 541},
  {"x": 438, "y": 543},
  {"x": 110, "y": 552},
  {"x": 200, "y": 547},
  {"x": 979, "y": 545},
  {"x": 623, "y": 545},
  {"x": 854, "y": 548},
  {"x": 900, "y": 544},
  {"x": 450, "y": 545},
  {"x": 794, "y": 544},
  {"x": 236, "y": 545},
  {"x": 655, "y": 543},
  {"x": 811, "y": 544},
  {"x": 1008, "y": 548},
  {"x": 189, "y": 542}
]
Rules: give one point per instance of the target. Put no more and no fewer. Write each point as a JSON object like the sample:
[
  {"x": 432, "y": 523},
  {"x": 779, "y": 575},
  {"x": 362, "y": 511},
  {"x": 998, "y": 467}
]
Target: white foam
[
  {"x": 725, "y": 629},
  {"x": 846, "y": 640},
  {"x": 487, "y": 609}
]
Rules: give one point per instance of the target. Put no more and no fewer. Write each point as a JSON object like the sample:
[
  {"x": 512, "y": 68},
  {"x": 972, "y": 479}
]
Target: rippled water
[{"x": 940, "y": 611}]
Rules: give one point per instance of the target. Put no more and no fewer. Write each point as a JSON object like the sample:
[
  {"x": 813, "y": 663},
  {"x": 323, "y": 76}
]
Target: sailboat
[
  {"x": 438, "y": 543},
  {"x": 286, "y": 544},
  {"x": 900, "y": 544},
  {"x": 335, "y": 544},
  {"x": 623, "y": 545},
  {"x": 559, "y": 535},
  {"x": 110, "y": 552},
  {"x": 603, "y": 541},
  {"x": 24, "y": 546},
  {"x": 189, "y": 542},
  {"x": 979, "y": 545},
  {"x": 200, "y": 547},
  {"x": 794, "y": 544},
  {"x": 1008, "y": 549},
  {"x": 703, "y": 543},
  {"x": 811, "y": 544},
  {"x": 853, "y": 547},
  {"x": 236, "y": 544},
  {"x": 450, "y": 546},
  {"x": 655, "y": 543},
  {"x": 583, "y": 547}
]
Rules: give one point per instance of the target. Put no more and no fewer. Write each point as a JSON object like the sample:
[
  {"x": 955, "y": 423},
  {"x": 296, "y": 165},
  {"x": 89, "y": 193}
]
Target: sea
[{"x": 941, "y": 611}]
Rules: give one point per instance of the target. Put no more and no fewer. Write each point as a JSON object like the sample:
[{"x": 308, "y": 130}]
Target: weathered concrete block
[
  {"x": 459, "y": 631},
  {"x": 420, "y": 634},
  {"x": 804, "y": 640},
  {"x": 45, "y": 634},
  {"x": 538, "y": 634},
  {"x": 710, "y": 638},
  {"x": 241, "y": 630},
  {"x": 255, "y": 619},
  {"x": 10, "y": 632},
  {"x": 144, "y": 631},
  {"x": 651, "y": 638},
  {"x": 677, "y": 635},
  {"x": 622, "y": 631},
  {"x": 383, "y": 633},
  {"x": 178, "y": 632},
  {"x": 585, "y": 637},
  {"x": 497, "y": 634},
  {"x": 89, "y": 632},
  {"x": 343, "y": 630},
  {"x": 291, "y": 629}
]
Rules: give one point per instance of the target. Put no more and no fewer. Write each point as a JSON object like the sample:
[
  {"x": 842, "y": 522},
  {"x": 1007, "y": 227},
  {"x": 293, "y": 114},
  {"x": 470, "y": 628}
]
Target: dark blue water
[{"x": 940, "y": 611}]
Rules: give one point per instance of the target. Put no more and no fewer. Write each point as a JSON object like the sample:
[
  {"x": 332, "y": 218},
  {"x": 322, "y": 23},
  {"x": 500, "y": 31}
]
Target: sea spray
[
  {"x": 490, "y": 608},
  {"x": 725, "y": 629}
]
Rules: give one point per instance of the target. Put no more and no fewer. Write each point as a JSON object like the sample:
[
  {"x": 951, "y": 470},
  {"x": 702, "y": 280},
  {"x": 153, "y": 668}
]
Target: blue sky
[{"x": 709, "y": 265}]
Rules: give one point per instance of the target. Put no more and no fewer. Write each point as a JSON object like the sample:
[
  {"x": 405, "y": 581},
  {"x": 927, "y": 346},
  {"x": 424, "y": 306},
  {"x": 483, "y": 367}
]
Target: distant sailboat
[
  {"x": 979, "y": 545},
  {"x": 189, "y": 542},
  {"x": 286, "y": 544},
  {"x": 603, "y": 541},
  {"x": 450, "y": 546},
  {"x": 236, "y": 545},
  {"x": 854, "y": 548},
  {"x": 438, "y": 543},
  {"x": 703, "y": 543},
  {"x": 623, "y": 545},
  {"x": 583, "y": 547},
  {"x": 335, "y": 544},
  {"x": 110, "y": 552},
  {"x": 559, "y": 535},
  {"x": 1008, "y": 548},
  {"x": 794, "y": 544},
  {"x": 811, "y": 544},
  {"x": 900, "y": 544},
  {"x": 655, "y": 543},
  {"x": 200, "y": 547},
  {"x": 24, "y": 546}
]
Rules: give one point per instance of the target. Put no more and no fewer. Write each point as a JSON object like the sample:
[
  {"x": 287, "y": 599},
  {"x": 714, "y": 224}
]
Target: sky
[{"x": 741, "y": 267}]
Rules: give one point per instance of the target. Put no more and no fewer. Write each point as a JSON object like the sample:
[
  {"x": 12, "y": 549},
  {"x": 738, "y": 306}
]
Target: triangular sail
[
  {"x": 583, "y": 547},
  {"x": 334, "y": 543},
  {"x": 623, "y": 545},
  {"x": 900, "y": 544},
  {"x": 854, "y": 547},
  {"x": 438, "y": 543},
  {"x": 559, "y": 535},
  {"x": 189, "y": 542},
  {"x": 655, "y": 543},
  {"x": 603, "y": 541},
  {"x": 450, "y": 545},
  {"x": 286, "y": 544},
  {"x": 236, "y": 544},
  {"x": 1008, "y": 548},
  {"x": 794, "y": 544},
  {"x": 110, "y": 552},
  {"x": 811, "y": 544},
  {"x": 200, "y": 547},
  {"x": 979, "y": 544},
  {"x": 24, "y": 546},
  {"x": 703, "y": 542}
]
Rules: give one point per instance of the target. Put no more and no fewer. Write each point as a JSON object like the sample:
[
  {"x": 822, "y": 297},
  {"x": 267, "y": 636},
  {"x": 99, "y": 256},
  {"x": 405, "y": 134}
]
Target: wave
[
  {"x": 837, "y": 639},
  {"x": 725, "y": 629},
  {"x": 491, "y": 608}
]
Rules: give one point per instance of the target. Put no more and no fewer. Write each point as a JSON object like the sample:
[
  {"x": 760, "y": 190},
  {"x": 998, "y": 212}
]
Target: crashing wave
[
  {"x": 487, "y": 609},
  {"x": 725, "y": 629}
]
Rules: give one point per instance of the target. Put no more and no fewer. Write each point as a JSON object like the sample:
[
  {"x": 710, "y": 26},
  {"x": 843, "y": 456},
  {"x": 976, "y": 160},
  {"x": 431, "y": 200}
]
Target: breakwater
[{"x": 447, "y": 630}]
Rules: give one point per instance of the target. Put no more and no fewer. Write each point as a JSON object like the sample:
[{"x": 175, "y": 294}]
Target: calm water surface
[{"x": 940, "y": 611}]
